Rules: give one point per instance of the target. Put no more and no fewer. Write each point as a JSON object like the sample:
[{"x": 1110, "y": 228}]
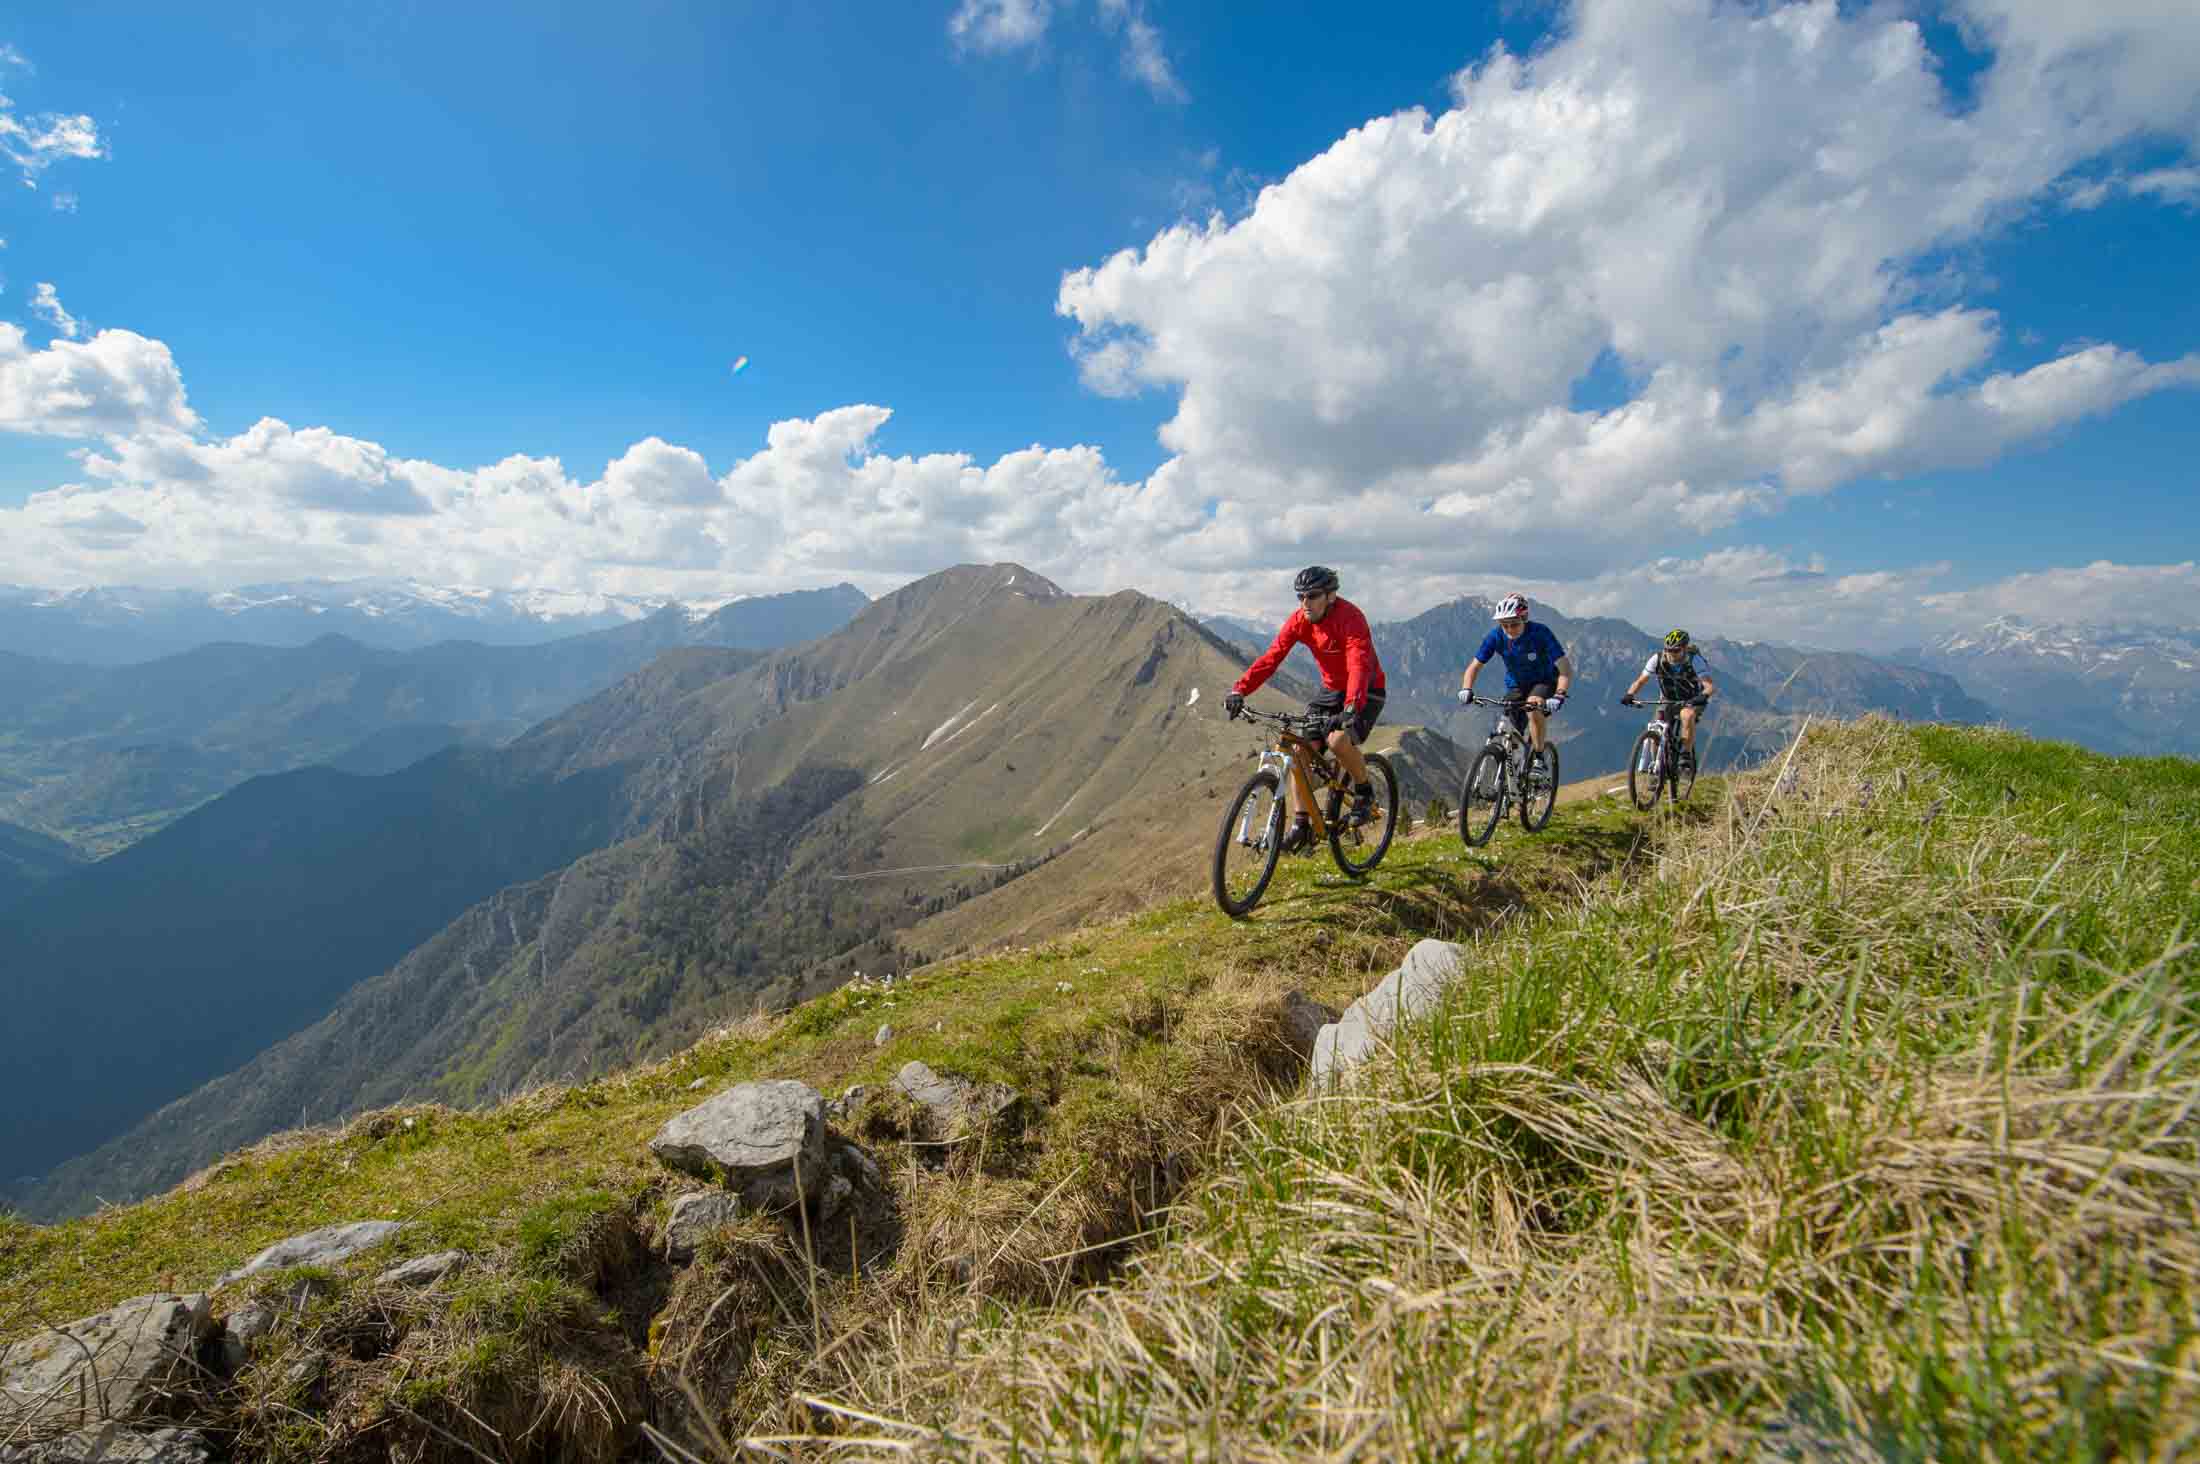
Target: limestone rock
[
  {"x": 695, "y": 1216},
  {"x": 954, "y": 1106},
  {"x": 423, "y": 1270},
  {"x": 330, "y": 1245},
  {"x": 1403, "y": 995},
  {"x": 107, "y": 1368},
  {"x": 841, "y": 1109},
  {"x": 767, "y": 1138},
  {"x": 112, "y": 1443},
  {"x": 838, "y": 1191}
]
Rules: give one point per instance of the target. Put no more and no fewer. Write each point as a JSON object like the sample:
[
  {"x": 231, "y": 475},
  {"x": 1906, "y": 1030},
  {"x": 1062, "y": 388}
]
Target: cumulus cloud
[
  {"x": 1740, "y": 213},
  {"x": 118, "y": 383},
  {"x": 1732, "y": 204},
  {"x": 999, "y": 25}
]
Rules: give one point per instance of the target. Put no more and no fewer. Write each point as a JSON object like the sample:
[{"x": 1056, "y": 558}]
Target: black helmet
[{"x": 1315, "y": 579}]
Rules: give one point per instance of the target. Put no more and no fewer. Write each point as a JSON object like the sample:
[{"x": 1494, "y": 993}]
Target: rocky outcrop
[
  {"x": 695, "y": 1216},
  {"x": 109, "y": 1368},
  {"x": 1367, "y": 1024},
  {"x": 767, "y": 1141}
]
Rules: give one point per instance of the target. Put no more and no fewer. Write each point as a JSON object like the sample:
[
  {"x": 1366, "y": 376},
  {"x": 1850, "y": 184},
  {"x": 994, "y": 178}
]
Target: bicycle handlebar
[
  {"x": 1301, "y": 726},
  {"x": 1471, "y": 699}
]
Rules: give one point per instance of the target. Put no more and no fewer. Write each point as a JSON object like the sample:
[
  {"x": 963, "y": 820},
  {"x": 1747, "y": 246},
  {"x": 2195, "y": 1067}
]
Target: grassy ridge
[
  {"x": 1850, "y": 1109},
  {"x": 1863, "y": 1123},
  {"x": 1135, "y": 1039}
]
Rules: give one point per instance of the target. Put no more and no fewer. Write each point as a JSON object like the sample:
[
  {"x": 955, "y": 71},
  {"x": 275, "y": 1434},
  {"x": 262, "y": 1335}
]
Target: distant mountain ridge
[
  {"x": 1763, "y": 689},
  {"x": 103, "y": 755},
  {"x": 2120, "y": 689},
  {"x": 118, "y": 625}
]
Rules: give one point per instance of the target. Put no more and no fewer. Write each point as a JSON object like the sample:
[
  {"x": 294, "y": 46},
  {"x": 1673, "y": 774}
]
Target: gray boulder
[
  {"x": 767, "y": 1139},
  {"x": 107, "y": 1368},
  {"x": 695, "y": 1216},
  {"x": 1403, "y": 995},
  {"x": 111, "y": 1443},
  {"x": 954, "y": 1106},
  {"x": 423, "y": 1270},
  {"x": 329, "y": 1246}
]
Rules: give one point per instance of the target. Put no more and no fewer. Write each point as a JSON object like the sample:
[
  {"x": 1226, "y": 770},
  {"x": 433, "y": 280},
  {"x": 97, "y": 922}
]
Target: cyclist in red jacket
[{"x": 1344, "y": 649}]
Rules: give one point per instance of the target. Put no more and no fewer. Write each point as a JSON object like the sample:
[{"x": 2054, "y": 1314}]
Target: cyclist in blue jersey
[{"x": 1537, "y": 671}]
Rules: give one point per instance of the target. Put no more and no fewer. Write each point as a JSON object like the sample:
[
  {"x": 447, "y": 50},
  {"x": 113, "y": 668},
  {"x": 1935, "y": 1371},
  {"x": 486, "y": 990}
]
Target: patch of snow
[
  {"x": 1057, "y": 814},
  {"x": 1193, "y": 699},
  {"x": 949, "y": 725},
  {"x": 882, "y": 777}
]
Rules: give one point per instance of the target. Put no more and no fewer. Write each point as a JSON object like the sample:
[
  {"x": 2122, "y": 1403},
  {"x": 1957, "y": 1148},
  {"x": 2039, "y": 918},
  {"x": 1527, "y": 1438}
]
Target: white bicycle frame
[{"x": 1279, "y": 762}]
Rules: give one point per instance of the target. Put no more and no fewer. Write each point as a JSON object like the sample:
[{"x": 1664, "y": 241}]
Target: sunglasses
[
  {"x": 1515, "y": 623},
  {"x": 1310, "y": 599}
]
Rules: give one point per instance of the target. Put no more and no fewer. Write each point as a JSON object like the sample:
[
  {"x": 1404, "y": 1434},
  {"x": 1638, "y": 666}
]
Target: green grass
[
  {"x": 1848, "y": 1113},
  {"x": 1164, "y": 1031},
  {"x": 1863, "y": 1121}
]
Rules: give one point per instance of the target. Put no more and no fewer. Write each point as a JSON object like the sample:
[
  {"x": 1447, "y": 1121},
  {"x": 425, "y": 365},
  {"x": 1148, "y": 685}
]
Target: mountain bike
[
  {"x": 1502, "y": 776},
  {"x": 1656, "y": 764},
  {"x": 1253, "y": 829}
]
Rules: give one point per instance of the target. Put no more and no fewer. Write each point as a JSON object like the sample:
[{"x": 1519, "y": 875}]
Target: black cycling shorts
[
  {"x": 1330, "y": 704},
  {"x": 1516, "y": 702}
]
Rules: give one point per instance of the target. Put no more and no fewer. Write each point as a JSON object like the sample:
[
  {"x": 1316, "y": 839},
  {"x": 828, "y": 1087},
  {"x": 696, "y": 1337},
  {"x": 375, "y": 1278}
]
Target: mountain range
[
  {"x": 101, "y": 756},
  {"x": 2122, "y": 689},
  {"x": 115, "y": 625},
  {"x": 979, "y": 757},
  {"x": 1763, "y": 689}
]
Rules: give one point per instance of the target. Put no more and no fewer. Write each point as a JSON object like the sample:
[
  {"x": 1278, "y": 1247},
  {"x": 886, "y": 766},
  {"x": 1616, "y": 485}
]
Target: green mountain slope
[{"x": 1846, "y": 1115}]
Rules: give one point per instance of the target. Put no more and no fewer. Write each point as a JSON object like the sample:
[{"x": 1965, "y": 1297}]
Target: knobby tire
[
  {"x": 1535, "y": 811},
  {"x": 1237, "y": 906},
  {"x": 1478, "y": 814},
  {"x": 1370, "y": 840},
  {"x": 1654, "y": 776}
]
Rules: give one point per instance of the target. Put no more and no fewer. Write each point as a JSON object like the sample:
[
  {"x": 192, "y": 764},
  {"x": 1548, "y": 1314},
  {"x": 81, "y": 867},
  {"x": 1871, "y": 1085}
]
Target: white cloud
[
  {"x": 1374, "y": 365},
  {"x": 1144, "y": 58},
  {"x": 36, "y": 143},
  {"x": 46, "y": 305},
  {"x": 999, "y": 25},
  {"x": 117, "y": 383},
  {"x": 2100, "y": 593},
  {"x": 1729, "y": 202}
]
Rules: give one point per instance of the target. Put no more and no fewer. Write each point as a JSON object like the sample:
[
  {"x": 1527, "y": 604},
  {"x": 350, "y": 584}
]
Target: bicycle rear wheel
[
  {"x": 1359, "y": 849},
  {"x": 1646, "y": 769},
  {"x": 1250, "y": 841},
  {"x": 1542, "y": 790},
  {"x": 1482, "y": 798}
]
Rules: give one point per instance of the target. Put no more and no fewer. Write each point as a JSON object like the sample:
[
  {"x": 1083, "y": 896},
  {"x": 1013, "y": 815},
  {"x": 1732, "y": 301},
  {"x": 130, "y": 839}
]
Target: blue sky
[{"x": 434, "y": 239}]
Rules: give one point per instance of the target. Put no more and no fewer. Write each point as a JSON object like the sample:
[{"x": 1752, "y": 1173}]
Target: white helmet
[{"x": 1510, "y": 606}]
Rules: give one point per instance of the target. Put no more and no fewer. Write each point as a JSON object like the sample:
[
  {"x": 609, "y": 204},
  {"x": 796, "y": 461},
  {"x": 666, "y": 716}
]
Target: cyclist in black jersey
[{"x": 1674, "y": 664}]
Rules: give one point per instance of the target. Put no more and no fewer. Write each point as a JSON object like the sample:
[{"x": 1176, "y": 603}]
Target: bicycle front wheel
[
  {"x": 1646, "y": 769},
  {"x": 1542, "y": 790},
  {"x": 1250, "y": 841},
  {"x": 1482, "y": 798},
  {"x": 1684, "y": 776},
  {"x": 1360, "y": 848}
]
